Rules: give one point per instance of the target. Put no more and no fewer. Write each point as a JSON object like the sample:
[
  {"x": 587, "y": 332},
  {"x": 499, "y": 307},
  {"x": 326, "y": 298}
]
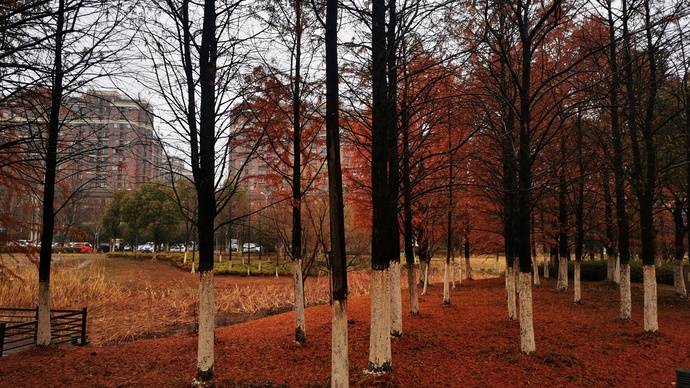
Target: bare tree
[
  {"x": 379, "y": 339},
  {"x": 63, "y": 48},
  {"x": 291, "y": 28},
  {"x": 198, "y": 55},
  {"x": 339, "y": 337}
]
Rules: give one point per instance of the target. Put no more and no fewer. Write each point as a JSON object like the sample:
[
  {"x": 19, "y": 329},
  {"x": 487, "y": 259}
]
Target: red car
[{"x": 84, "y": 247}]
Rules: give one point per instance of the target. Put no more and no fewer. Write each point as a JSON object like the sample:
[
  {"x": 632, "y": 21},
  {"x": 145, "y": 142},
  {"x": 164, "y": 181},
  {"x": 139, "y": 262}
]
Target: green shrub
[{"x": 595, "y": 271}]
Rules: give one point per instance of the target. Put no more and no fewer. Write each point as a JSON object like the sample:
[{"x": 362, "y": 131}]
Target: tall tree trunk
[
  {"x": 509, "y": 179},
  {"x": 204, "y": 180},
  {"x": 43, "y": 330},
  {"x": 610, "y": 246},
  {"x": 426, "y": 262},
  {"x": 579, "y": 212},
  {"x": 651, "y": 322},
  {"x": 644, "y": 177},
  {"x": 535, "y": 262},
  {"x": 449, "y": 220},
  {"x": 686, "y": 87},
  {"x": 296, "y": 245},
  {"x": 379, "y": 337},
  {"x": 527, "y": 344},
  {"x": 623, "y": 272},
  {"x": 678, "y": 280},
  {"x": 563, "y": 249},
  {"x": 510, "y": 291},
  {"x": 407, "y": 199},
  {"x": 339, "y": 342},
  {"x": 393, "y": 172},
  {"x": 509, "y": 235},
  {"x": 466, "y": 248}
]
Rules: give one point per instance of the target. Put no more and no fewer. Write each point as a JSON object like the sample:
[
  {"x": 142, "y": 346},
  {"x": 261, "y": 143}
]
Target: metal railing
[{"x": 19, "y": 327}]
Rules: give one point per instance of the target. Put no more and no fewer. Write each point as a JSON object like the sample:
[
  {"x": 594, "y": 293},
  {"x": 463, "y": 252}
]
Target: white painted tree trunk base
[
  {"x": 453, "y": 267},
  {"x": 610, "y": 268},
  {"x": 300, "y": 326},
  {"x": 207, "y": 323},
  {"x": 426, "y": 277},
  {"x": 510, "y": 291},
  {"x": 617, "y": 272},
  {"x": 516, "y": 276},
  {"x": 527, "y": 344},
  {"x": 396, "y": 300},
  {"x": 626, "y": 300},
  {"x": 577, "y": 291},
  {"x": 562, "y": 284},
  {"x": 535, "y": 271},
  {"x": 340, "y": 369},
  {"x": 379, "y": 335},
  {"x": 678, "y": 280},
  {"x": 412, "y": 289},
  {"x": 651, "y": 322},
  {"x": 43, "y": 335},
  {"x": 446, "y": 283}
]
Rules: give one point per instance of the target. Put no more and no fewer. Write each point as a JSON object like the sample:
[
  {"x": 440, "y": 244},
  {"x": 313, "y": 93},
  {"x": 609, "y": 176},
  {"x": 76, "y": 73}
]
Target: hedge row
[
  {"x": 596, "y": 271},
  {"x": 234, "y": 268}
]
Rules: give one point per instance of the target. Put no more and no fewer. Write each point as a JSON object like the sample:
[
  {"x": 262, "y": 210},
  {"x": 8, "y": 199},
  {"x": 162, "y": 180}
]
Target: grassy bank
[{"x": 222, "y": 266}]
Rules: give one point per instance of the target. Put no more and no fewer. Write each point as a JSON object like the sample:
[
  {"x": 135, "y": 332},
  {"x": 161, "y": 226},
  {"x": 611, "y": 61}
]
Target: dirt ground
[{"x": 469, "y": 343}]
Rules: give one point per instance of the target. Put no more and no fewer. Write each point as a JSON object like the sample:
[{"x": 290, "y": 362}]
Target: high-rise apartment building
[{"x": 107, "y": 143}]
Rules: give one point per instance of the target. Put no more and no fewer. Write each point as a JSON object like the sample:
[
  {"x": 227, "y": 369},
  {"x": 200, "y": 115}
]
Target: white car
[
  {"x": 177, "y": 248},
  {"x": 145, "y": 248},
  {"x": 251, "y": 248}
]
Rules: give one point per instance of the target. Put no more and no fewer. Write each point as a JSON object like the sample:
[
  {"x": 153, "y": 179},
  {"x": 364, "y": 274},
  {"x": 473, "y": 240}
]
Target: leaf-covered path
[{"x": 469, "y": 343}]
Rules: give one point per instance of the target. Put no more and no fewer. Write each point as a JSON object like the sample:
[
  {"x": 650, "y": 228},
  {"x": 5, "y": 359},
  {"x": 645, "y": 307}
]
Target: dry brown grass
[
  {"x": 143, "y": 299},
  {"x": 71, "y": 286},
  {"x": 122, "y": 311},
  {"x": 249, "y": 299}
]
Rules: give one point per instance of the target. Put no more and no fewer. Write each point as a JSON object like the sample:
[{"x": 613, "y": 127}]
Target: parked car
[
  {"x": 103, "y": 247},
  {"x": 22, "y": 243},
  {"x": 145, "y": 248},
  {"x": 234, "y": 245},
  {"x": 251, "y": 248},
  {"x": 84, "y": 247},
  {"x": 177, "y": 248}
]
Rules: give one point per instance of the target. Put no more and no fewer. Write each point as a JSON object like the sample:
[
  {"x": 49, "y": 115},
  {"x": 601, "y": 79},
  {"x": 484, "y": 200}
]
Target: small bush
[{"x": 595, "y": 271}]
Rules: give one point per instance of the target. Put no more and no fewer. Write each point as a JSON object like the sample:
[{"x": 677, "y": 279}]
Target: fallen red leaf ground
[{"x": 470, "y": 343}]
